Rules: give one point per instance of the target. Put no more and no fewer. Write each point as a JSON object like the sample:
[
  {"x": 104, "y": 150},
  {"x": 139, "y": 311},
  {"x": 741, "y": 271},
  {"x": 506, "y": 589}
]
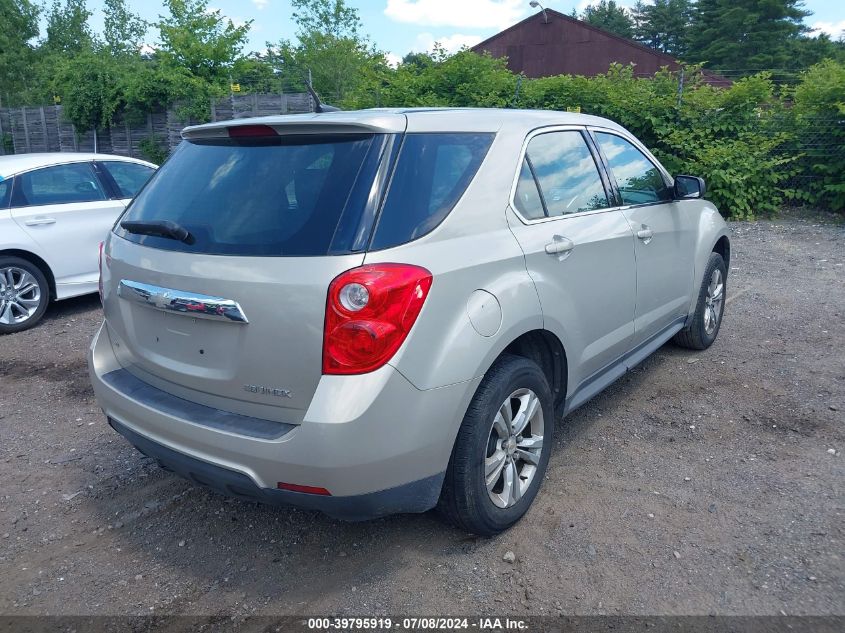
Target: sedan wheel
[
  {"x": 24, "y": 294},
  {"x": 20, "y": 296}
]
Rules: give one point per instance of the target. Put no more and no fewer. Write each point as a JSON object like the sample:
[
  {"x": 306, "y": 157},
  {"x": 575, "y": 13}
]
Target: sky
[{"x": 401, "y": 26}]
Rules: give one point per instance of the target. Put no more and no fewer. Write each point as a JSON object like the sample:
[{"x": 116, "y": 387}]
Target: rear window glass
[
  {"x": 284, "y": 196},
  {"x": 431, "y": 174}
]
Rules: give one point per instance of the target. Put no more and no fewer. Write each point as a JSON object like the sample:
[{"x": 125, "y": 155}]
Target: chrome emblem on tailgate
[
  {"x": 268, "y": 391},
  {"x": 180, "y": 302}
]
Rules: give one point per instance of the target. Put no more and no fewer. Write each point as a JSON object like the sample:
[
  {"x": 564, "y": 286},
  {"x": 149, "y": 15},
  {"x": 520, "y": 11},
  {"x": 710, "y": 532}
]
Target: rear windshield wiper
[{"x": 159, "y": 228}]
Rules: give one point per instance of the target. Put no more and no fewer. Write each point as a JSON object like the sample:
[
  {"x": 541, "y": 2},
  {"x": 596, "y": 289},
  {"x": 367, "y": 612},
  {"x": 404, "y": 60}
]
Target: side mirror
[{"x": 687, "y": 187}]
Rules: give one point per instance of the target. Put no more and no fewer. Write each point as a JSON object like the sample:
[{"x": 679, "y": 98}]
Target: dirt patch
[
  {"x": 699, "y": 483},
  {"x": 73, "y": 375}
]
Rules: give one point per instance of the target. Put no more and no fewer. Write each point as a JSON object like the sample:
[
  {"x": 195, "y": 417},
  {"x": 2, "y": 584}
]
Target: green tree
[
  {"x": 329, "y": 47},
  {"x": 68, "y": 32},
  {"x": 200, "y": 40},
  {"x": 609, "y": 16},
  {"x": 18, "y": 25},
  {"x": 420, "y": 60},
  {"x": 330, "y": 17},
  {"x": 89, "y": 86},
  {"x": 664, "y": 25},
  {"x": 808, "y": 51},
  {"x": 123, "y": 30},
  {"x": 745, "y": 36}
]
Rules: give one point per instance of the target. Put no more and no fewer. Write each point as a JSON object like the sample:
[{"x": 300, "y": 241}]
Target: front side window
[
  {"x": 60, "y": 184},
  {"x": 431, "y": 174},
  {"x": 129, "y": 177},
  {"x": 566, "y": 173},
  {"x": 638, "y": 179}
]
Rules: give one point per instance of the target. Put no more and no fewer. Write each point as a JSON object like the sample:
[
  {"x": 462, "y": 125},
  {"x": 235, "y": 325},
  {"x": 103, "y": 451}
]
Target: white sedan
[{"x": 55, "y": 209}]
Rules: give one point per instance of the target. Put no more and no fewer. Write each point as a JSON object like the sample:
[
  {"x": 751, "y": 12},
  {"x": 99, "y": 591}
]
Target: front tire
[
  {"x": 502, "y": 449},
  {"x": 704, "y": 326},
  {"x": 24, "y": 294}
]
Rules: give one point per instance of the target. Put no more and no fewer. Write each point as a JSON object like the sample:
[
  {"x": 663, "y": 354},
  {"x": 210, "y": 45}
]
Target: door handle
[
  {"x": 645, "y": 234},
  {"x": 561, "y": 246},
  {"x": 40, "y": 221}
]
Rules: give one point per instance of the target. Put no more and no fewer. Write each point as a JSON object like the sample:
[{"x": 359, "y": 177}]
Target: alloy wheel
[
  {"x": 514, "y": 447},
  {"x": 713, "y": 302},
  {"x": 20, "y": 295}
]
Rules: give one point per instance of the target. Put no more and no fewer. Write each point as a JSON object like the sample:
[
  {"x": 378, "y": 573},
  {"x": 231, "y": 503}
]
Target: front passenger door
[
  {"x": 65, "y": 209},
  {"x": 664, "y": 236},
  {"x": 579, "y": 253}
]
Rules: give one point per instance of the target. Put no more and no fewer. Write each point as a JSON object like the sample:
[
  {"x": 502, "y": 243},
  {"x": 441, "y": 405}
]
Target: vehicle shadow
[{"x": 68, "y": 308}]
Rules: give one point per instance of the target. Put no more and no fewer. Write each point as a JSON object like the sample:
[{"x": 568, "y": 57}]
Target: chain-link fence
[{"x": 813, "y": 143}]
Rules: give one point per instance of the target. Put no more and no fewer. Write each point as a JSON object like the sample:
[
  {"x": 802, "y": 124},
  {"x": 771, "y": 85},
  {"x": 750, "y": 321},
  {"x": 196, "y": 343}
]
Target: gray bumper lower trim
[
  {"x": 417, "y": 496},
  {"x": 138, "y": 390}
]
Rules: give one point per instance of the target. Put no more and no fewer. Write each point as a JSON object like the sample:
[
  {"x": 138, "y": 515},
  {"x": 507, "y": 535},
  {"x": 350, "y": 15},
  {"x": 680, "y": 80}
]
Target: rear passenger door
[
  {"x": 67, "y": 211},
  {"x": 664, "y": 235},
  {"x": 579, "y": 252}
]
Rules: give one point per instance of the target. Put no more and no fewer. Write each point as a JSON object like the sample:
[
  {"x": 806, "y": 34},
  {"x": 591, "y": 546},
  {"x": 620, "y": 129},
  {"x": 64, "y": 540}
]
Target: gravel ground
[{"x": 700, "y": 483}]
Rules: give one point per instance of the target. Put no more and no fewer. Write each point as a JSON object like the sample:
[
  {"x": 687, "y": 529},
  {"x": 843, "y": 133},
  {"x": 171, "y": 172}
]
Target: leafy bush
[
  {"x": 465, "y": 79},
  {"x": 749, "y": 142},
  {"x": 722, "y": 135},
  {"x": 153, "y": 149},
  {"x": 819, "y": 114}
]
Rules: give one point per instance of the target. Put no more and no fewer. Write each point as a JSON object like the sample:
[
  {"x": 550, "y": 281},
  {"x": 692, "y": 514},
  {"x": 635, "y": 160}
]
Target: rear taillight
[
  {"x": 100, "y": 283},
  {"x": 369, "y": 312}
]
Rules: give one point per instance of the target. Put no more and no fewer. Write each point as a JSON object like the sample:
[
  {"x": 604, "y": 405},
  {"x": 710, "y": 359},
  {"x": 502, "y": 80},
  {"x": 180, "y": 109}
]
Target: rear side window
[
  {"x": 129, "y": 177},
  {"x": 638, "y": 179},
  {"x": 60, "y": 184},
  {"x": 527, "y": 198},
  {"x": 278, "y": 196},
  {"x": 432, "y": 172}
]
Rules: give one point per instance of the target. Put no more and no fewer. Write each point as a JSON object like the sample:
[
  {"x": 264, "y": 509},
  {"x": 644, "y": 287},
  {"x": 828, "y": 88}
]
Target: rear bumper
[
  {"x": 417, "y": 496},
  {"x": 375, "y": 442}
]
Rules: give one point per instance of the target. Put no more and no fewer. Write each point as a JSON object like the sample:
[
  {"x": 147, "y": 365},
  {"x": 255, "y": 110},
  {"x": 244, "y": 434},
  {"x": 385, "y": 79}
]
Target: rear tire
[
  {"x": 705, "y": 323},
  {"x": 505, "y": 438},
  {"x": 24, "y": 294}
]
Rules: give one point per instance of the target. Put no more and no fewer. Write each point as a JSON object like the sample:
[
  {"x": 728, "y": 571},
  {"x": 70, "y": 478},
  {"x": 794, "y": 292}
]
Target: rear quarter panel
[{"x": 473, "y": 249}]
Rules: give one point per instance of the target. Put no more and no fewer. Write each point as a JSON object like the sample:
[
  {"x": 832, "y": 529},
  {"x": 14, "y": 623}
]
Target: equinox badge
[{"x": 268, "y": 391}]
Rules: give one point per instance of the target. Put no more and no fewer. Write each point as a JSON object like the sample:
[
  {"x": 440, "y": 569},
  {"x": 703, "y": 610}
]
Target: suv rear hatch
[
  {"x": 216, "y": 277},
  {"x": 228, "y": 310}
]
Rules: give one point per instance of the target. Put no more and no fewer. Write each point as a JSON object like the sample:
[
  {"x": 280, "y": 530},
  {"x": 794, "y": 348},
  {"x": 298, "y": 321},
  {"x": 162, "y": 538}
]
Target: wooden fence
[{"x": 44, "y": 129}]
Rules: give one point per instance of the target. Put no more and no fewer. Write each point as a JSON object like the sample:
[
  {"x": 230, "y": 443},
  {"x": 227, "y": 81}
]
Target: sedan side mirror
[{"x": 689, "y": 187}]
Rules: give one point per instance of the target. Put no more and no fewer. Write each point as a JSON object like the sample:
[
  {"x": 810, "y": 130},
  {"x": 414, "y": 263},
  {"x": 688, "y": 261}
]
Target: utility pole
[{"x": 681, "y": 88}]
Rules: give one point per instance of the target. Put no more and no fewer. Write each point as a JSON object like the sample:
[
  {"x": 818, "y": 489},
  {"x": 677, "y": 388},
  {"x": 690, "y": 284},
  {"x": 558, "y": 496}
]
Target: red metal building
[{"x": 550, "y": 43}]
